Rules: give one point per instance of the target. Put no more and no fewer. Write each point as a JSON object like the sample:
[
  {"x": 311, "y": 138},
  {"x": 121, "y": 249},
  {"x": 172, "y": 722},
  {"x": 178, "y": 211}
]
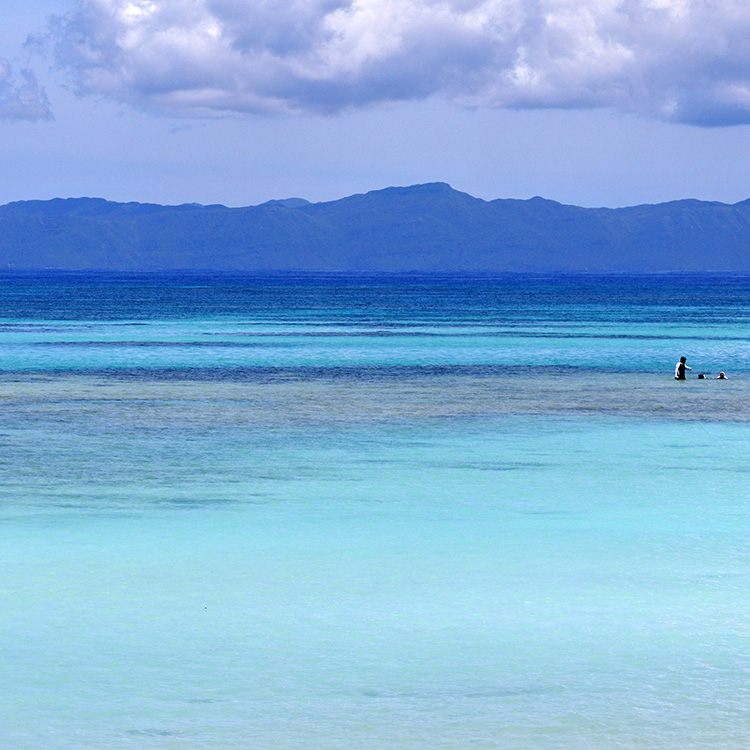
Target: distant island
[{"x": 425, "y": 228}]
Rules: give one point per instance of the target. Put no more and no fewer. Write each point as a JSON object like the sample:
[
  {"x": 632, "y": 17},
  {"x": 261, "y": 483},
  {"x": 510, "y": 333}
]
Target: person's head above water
[{"x": 683, "y": 360}]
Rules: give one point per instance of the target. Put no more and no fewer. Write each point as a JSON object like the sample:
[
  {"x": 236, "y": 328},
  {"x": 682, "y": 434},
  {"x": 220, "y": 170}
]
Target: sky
[{"x": 586, "y": 102}]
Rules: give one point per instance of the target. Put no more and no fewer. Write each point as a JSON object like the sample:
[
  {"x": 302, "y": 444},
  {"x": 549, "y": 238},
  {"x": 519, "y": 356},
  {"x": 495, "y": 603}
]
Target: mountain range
[{"x": 429, "y": 227}]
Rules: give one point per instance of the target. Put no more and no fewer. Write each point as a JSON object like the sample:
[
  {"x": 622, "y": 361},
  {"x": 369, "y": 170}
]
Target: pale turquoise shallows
[{"x": 377, "y": 513}]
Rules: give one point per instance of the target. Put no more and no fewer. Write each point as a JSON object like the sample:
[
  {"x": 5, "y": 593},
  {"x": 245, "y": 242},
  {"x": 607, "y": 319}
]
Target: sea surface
[{"x": 338, "y": 512}]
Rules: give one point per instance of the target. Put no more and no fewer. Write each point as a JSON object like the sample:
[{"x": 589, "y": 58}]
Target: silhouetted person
[{"x": 679, "y": 369}]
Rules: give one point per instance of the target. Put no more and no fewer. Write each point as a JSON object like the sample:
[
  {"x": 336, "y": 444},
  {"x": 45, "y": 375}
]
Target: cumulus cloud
[
  {"x": 21, "y": 98},
  {"x": 679, "y": 60}
]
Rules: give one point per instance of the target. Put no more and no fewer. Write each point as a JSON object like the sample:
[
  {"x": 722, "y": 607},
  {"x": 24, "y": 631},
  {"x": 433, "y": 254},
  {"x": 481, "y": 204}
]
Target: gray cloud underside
[
  {"x": 21, "y": 98},
  {"x": 680, "y": 60}
]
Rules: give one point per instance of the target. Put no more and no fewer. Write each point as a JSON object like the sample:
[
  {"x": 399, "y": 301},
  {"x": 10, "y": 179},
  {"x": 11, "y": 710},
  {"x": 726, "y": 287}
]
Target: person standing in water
[{"x": 679, "y": 369}]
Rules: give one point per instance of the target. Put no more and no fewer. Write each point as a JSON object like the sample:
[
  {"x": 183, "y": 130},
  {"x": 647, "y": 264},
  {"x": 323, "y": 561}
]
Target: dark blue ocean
[{"x": 368, "y": 511}]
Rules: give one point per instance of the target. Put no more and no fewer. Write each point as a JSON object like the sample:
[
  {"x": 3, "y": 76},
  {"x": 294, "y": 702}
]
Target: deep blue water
[{"x": 389, "y": 299}]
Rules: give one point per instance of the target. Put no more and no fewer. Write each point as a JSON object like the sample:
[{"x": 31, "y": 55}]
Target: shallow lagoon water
[{"x": 361, "y": 517}]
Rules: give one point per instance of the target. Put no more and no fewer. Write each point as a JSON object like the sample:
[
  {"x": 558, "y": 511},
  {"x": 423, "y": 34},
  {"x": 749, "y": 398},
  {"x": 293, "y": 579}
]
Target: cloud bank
[
  {"x": 21, "y": 98},
  {"x": 678, "y": 60}
]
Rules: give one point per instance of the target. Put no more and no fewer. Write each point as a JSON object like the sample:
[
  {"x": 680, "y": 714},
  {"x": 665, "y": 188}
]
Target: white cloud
[
  {"x": 21, "y": 98},
  {"x": 681, "y": 60}
]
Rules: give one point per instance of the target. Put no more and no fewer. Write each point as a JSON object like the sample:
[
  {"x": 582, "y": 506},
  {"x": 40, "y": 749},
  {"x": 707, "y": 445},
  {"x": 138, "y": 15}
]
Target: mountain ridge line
[{"x": 427, "y": 227}]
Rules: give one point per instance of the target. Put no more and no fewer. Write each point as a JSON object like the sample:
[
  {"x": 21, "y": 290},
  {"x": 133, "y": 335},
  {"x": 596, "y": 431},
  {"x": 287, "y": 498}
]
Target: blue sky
[{"x": 589, "y": 102}]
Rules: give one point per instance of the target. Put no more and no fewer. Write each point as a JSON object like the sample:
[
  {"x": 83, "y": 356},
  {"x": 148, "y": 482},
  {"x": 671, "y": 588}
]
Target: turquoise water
[{"x": 363, "y": 512}]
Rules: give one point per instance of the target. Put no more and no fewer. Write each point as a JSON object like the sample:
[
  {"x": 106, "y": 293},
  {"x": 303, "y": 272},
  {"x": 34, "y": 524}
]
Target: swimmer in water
[{"x": 679, "y": 369}]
